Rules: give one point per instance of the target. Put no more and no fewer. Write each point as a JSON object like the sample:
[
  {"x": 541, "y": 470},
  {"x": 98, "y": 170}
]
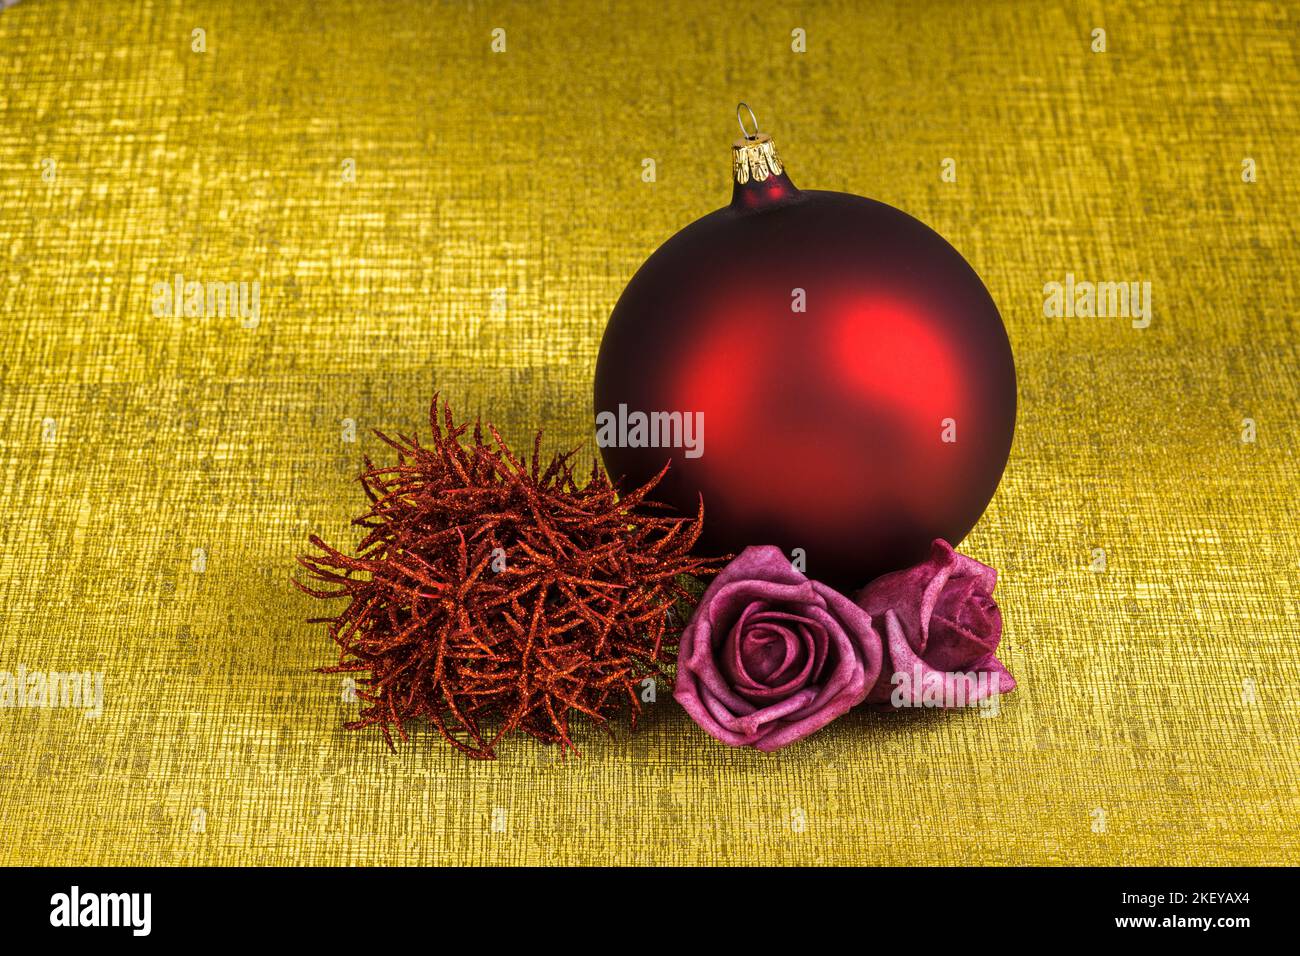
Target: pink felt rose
[
  {"x": 941, "y": 628},
  {"x": 769, "y": 657}
]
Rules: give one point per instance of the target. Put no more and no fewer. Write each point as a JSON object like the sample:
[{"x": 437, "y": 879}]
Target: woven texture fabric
[{"x": 424, "y": 213}]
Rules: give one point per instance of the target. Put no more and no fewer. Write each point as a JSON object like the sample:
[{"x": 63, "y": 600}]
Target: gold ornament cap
[
  {"x": 758, "y": 176},
  {"x": 755, "y": 158}
]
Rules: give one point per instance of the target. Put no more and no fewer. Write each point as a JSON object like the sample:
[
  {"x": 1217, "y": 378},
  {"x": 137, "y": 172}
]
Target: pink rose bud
[
  {"x": 769, "y": 657},
  {"x": 941, "y": 628}
]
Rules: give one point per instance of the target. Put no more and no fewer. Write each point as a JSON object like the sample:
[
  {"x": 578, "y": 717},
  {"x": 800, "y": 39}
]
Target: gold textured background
[{"x": 478, "y": 171}]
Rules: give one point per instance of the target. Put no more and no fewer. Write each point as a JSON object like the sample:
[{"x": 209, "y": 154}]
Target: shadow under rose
[{"x": 667, "y": 722}]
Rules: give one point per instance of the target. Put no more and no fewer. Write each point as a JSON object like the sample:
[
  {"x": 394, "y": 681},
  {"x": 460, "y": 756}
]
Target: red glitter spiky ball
[{"x": 491, "y": 594}]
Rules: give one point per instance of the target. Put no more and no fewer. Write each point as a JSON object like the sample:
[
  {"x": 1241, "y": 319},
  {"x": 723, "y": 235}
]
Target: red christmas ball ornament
[{"x": 825, "y": 372}]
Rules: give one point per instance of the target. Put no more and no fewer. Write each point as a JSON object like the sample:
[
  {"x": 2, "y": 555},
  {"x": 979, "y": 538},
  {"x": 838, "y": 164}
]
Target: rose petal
[
  {"x": 760, "y": 693},
  {"x": 739, "y": 599},
  {"x": 953, "y": 647}
]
